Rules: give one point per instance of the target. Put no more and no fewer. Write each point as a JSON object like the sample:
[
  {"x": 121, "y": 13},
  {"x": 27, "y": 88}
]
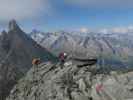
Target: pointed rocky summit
[
  {"x": 13, "y": 25},
  {"x": 17, "y": 50}
]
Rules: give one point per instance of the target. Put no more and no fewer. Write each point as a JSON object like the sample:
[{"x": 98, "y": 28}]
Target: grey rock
[{"x": 71, "y": 83}]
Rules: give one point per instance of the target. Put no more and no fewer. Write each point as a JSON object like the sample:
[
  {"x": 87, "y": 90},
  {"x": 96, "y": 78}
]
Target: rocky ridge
[{"x": 53, "y": 82}]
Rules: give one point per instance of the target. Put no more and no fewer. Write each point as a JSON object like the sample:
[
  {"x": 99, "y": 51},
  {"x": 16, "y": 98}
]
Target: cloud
[
  {"x": 23, "y": 9},
  {"x": 119, "y": 4},
  {"x": 105, "y": 31},
  {"x": 117, "y": 30},
  {"x": 84, "y": 30},
  {"x": 120, "y": 30},
  {"x": 130, "y": 27}
]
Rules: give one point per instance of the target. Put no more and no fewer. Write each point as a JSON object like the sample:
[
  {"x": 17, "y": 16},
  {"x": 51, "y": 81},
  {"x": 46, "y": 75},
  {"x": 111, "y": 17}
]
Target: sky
[{"x": 70, "y": 15}]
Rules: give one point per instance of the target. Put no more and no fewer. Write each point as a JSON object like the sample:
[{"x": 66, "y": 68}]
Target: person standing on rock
[{"x": 62, "y": 57}]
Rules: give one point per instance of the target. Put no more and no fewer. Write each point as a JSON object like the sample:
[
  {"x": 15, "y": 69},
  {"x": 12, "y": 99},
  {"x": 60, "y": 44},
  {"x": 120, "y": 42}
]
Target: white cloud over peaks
[
  {"x": 117, "y": 30},
  {"x": 120, "y": 30},
  {"x": 105, "y": 31},
  {"x": 123, "y": 29},
  {"x": 102, "y": 3},
  {"x": 130, "y": 27},
  {"x": 84, "y": 30},
  {"x": 21, "y": 9}
]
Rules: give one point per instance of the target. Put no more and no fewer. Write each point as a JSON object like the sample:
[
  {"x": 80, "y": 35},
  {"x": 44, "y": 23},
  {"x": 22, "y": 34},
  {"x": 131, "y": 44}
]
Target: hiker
[
  {"x": 35, "y": 63},
  {"x": 62, "y": 57}
]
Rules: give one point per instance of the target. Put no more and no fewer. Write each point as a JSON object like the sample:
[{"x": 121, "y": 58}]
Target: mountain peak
[{"x": 13, "y": 25}]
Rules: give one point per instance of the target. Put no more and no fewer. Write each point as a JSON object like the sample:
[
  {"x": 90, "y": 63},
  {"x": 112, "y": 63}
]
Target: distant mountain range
[
  {"x": 17, "y": 50},
  {"x": 114, "y": 50}
]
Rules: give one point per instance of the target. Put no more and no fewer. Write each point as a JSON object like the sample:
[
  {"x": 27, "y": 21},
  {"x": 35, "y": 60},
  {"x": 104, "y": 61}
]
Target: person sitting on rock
[{"x": 36, "y": 61}]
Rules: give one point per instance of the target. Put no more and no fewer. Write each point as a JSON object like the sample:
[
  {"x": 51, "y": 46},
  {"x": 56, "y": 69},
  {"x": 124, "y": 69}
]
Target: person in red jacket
[{"x": 62, "y": 57}]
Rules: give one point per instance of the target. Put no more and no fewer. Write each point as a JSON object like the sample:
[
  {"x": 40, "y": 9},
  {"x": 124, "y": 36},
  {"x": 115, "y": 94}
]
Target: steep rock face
[
  {"x": 16, "y": 53},
  {"x": 50, "y": 82}
]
